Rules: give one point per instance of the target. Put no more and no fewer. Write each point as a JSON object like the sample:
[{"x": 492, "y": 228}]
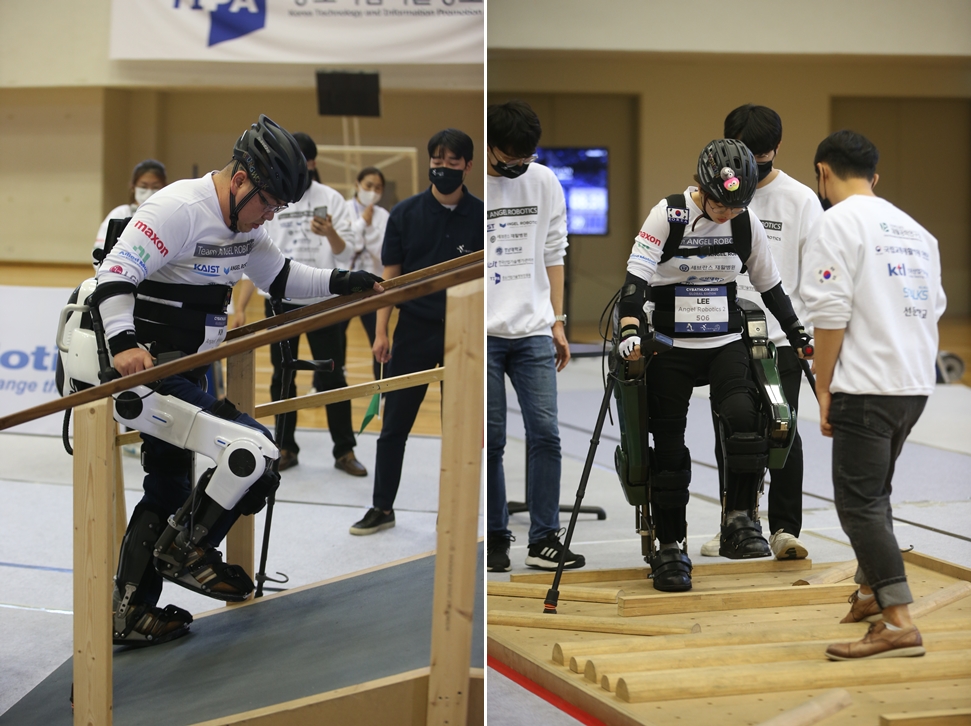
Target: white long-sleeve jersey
[
  {"x": 179, "y": 236},
  {"x": 702, "y": 270},
  {"x": 787, "y": 210},
  {"x": 871, "y": 269},
  {"x": 526, "y": 233}
]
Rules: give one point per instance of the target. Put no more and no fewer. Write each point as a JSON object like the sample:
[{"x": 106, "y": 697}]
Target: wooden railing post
[
  {"x": 453, "y": 602},
  {"x": 121, "y": 512},
  {"x": 94, "y": 559},
  {"x": 241, "y": 392}
]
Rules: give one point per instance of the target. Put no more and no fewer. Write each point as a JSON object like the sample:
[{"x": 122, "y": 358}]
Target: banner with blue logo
[
  {"x": 343, "y": 32},
  {"x": 28, "y": 356}
]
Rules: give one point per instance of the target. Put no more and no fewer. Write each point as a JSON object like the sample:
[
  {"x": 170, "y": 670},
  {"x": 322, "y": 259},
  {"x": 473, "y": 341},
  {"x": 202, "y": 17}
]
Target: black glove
[
  {"x": 343, "y": 282},
  {"x": 797, "y": 336}
]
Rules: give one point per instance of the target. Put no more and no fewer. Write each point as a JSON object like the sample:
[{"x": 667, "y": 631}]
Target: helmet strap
[{"x": 233, "y": 207}]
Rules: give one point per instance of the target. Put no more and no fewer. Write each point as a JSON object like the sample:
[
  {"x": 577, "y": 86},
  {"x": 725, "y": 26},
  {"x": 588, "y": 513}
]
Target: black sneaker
[
  {"x": 545, "y": 555},
  {"x": 498, "y": 553},
  {"x": 374, "y": 521}
]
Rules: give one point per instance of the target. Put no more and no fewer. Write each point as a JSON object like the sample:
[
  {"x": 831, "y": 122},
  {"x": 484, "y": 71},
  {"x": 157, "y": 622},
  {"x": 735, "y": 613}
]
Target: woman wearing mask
[
  {"x": 369, "y": 222},
  {"x": 147, "y": 177}
]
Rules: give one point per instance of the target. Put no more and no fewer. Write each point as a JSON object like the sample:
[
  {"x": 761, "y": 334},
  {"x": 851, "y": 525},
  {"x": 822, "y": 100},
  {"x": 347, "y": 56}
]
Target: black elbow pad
[{"x": 779, "y": 304}]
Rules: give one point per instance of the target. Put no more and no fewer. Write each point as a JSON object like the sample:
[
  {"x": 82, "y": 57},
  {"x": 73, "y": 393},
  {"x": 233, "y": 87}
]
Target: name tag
[
  {"x": 700, "y": 309},
  {"x": 215, "y": 332}
]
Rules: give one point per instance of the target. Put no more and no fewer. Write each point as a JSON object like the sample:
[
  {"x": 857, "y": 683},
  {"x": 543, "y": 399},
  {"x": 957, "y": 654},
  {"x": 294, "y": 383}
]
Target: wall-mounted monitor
[
  {"x": 348, "y": 94},
  {"x": 582, "y": 172}
]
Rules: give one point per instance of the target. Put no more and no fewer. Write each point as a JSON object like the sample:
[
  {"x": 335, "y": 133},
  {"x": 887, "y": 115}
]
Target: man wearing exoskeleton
[
  {"x": 683, "y": 286},
  {"x": 163, "y": 289}
]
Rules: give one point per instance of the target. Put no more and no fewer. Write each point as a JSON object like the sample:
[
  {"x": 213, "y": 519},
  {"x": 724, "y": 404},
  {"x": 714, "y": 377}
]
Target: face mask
[
  {"x": 367, "y": 197},
  {"x": 510, "y": 172},
  {"x": 141, "y": 194},
  {"x": 825, "y": 202},
  {"x": 765, "y": 168},
  {"x": 445, "y": 180}
]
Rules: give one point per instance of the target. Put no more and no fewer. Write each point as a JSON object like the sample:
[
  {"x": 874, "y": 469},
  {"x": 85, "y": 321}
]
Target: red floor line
[{"x": 548, "y": 696}]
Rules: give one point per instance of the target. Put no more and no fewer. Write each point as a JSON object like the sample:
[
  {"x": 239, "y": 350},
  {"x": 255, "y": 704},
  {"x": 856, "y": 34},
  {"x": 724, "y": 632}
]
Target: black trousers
[
  {"x": 671, "y": 377},
  {"x": 418, "y": 345},
  {"x": 369, "y": 321},
  {"x": 785, "y": 487},
  {"x": 325, "y": 343}
]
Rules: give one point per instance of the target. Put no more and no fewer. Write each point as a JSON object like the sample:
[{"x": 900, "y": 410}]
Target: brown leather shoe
[
  {"x": 287, "y": 459},
  {"x": 868, "y": 609},
  {"x": 880, "y": 642},
  {"x": 349, "y": 463}
]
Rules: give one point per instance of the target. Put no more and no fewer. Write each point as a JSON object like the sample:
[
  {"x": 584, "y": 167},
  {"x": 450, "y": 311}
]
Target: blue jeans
[
  {"x": 868, "y": 435},
  {"x": 530, "y": 364}
]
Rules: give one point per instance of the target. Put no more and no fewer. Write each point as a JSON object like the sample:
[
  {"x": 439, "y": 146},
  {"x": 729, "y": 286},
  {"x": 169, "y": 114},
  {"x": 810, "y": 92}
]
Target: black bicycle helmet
[
  {"x": 727, "y": 173},
  {"x": 273, "y": 160}
]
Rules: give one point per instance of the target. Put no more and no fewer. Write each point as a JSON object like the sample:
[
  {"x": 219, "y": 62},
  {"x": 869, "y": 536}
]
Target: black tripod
[{"x": 290, "y": 366}]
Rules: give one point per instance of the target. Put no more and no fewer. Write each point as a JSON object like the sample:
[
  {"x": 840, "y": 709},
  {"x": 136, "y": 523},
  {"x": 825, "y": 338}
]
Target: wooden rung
[
  {"x": 837, "y": 573},
  {"x": 568, "y": 653},
  {"x": 736, "y": 599},
  {"x": 599, "y": 670},
  {"x": 937, "y": 600},
  {"x": 585, "y": 624},
  {"x": 576, "y": 594},
  {"x": 129, "y": 437},
  {"x": 948, "y": 717},
  {"x": 958, "y": 572},
  {"x": 814, "y": 710},
  {"x": 739, "y": 567},
  {"x": 740, "y": 680}
]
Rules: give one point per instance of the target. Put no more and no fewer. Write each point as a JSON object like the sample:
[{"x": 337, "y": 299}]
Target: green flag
[{"x": 371, "y": 412}]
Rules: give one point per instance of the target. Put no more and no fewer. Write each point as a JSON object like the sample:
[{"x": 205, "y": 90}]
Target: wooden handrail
[
  {"x": 368, "y": 302},
  {"x": 336, "y": 302}
]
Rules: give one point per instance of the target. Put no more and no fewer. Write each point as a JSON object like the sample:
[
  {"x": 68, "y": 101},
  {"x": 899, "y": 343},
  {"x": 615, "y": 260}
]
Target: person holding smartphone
[{"x": 313, "y": 231}]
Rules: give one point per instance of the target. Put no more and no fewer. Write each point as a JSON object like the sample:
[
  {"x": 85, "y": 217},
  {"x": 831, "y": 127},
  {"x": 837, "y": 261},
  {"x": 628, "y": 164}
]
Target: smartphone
[{"x": 320, "y": 212}]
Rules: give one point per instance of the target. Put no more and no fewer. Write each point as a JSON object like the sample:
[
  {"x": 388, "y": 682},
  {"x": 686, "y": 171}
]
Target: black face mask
[
  {"x": 765, "y": 168},
  {"x": 445, "y": 180},
  {"x": 510, "y": 172},
  {"x": 824, "y": 201}
]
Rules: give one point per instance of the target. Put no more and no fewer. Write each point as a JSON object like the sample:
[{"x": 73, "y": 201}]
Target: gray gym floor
[
  {"x": 932, "y": 497},
  {"x": 315, "y": 507}
]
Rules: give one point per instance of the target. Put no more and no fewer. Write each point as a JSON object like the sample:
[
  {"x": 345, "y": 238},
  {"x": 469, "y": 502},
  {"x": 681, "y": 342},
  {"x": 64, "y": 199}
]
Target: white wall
[{"x": 849, "y": 27}]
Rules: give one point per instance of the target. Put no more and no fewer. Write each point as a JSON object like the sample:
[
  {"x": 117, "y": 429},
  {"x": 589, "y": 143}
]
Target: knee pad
[
  {"x": 669, "y": 489},
  {"x": 177, "y": 462},
  {"x": 746, "y": 453},
  {"x": 255, "y": 497}
]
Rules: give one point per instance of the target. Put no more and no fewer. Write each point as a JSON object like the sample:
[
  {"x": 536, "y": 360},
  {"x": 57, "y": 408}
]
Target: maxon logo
[{"x": 148, "y": 232}]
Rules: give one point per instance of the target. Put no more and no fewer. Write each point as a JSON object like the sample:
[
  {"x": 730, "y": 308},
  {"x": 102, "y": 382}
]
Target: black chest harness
[{"x": 663, "y": 296}]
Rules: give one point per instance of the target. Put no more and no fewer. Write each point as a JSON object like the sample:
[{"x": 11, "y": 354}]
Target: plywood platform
[
  {"x": 351, "y": 650},
  {"x": 744, "y": 646}
]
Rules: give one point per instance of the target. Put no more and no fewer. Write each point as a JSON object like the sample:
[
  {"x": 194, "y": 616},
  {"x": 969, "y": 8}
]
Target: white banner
[
  {"x": 361, "y": 32},
  {"x": 28, "y": 356}
]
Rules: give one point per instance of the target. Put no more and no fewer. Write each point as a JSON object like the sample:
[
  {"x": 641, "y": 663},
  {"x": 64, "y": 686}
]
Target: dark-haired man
[
  {"x": 164, "y": 288},
  {"x": 871, "y": 281},
  {"x": 437, "y": 225},
  {"x": 787, "y": 210},
  {"x": 525, "y": 326}
]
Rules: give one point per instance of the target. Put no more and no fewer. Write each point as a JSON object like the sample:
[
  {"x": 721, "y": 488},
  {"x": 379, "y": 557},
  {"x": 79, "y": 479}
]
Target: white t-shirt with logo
[
  {"x": 870, "y": 268},
  {"x": 179, "y": 236},
  {"x": 702, "y": 271},
  {"x": 787, "y": 210},
  {"x": 525, "y": 234},
  {"x": 290, "y": 231}
]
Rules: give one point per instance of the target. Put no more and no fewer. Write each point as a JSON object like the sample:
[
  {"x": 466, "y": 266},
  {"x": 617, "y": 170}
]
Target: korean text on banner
[{"x": 299, "y": 31}]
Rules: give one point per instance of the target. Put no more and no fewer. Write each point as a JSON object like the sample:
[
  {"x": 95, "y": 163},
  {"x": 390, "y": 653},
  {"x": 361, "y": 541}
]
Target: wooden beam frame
[{"x": 753, "y": 597}]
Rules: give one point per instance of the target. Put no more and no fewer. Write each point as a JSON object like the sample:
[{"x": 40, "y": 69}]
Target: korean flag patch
[
  {"x": 677, "y": 216},
  {"x": 827, "y": 274}
]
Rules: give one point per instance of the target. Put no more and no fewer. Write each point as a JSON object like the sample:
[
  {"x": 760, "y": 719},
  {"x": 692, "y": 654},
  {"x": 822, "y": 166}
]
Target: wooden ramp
[
  {"x": 353, "y": 650},
  {"x": 745, "y": 646}
]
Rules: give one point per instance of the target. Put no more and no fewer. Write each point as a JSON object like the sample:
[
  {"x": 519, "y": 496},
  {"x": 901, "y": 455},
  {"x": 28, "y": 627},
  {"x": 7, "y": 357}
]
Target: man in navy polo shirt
[{"x": 442, "y": 223}]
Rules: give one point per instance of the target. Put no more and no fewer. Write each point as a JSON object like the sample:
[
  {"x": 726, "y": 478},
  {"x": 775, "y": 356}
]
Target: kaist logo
[
  {"x": 147, "y": 231},
  {"x": 229, "y": 19},
  {"x": 207, "y": 270}
]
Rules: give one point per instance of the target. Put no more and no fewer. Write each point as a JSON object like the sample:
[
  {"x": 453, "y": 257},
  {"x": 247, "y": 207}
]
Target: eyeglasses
[
  {"x": 267, "y": 207},
  {"x": 515, "y": 162}
]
